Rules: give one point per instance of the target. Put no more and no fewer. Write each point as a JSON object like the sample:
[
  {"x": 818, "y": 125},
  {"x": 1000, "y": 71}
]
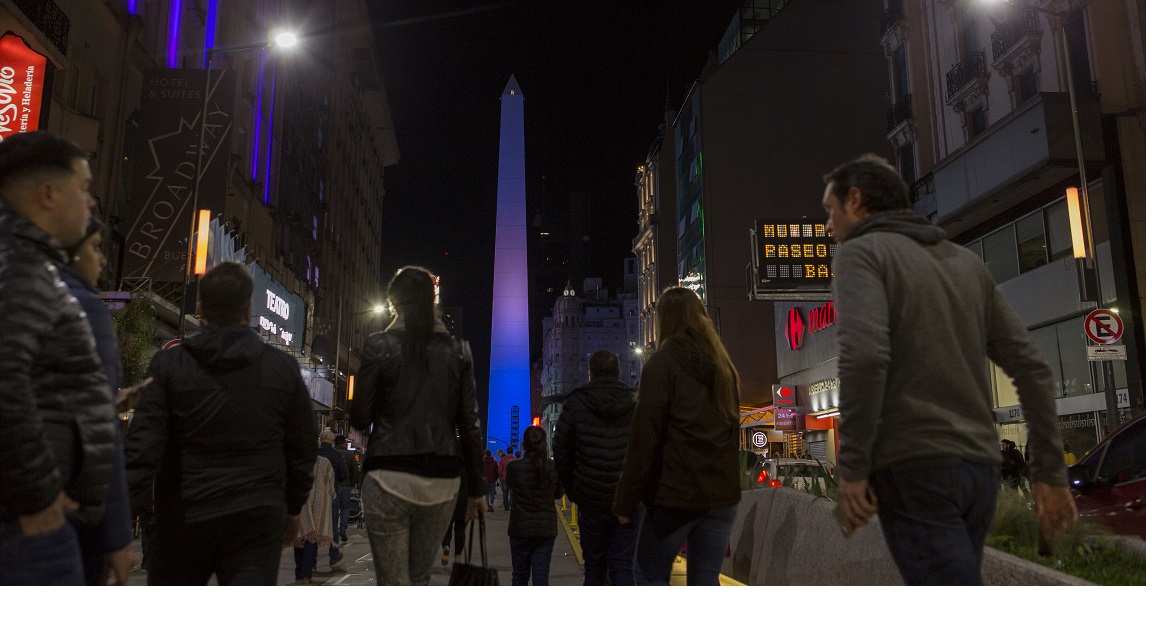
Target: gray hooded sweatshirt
[{"x": 919, "y": 317}]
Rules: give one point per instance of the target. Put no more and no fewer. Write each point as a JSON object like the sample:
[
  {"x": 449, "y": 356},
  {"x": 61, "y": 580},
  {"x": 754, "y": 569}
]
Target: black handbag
[{"x": 467, "y": 574}]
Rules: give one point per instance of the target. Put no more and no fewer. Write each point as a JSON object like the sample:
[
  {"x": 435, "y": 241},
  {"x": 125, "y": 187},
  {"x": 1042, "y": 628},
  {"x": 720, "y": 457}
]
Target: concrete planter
[{"x": 787, "y": 537}]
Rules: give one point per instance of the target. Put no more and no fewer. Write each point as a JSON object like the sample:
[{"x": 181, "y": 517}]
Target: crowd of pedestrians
[{"x": 224, "y": 460}]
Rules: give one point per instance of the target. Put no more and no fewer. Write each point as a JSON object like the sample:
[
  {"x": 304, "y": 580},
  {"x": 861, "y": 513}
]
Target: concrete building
[{"x": 655, "y": 249}]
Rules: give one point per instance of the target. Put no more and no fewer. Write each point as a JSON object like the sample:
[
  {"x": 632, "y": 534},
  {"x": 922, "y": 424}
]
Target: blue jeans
[
  {"x": 664, "y": 530},
  {"x": 51, "y": 559},
  {"x": 935, "y": 515},
  {"x": 305, "y": 560},
  {"x": 609, "y": 547},
  {"x": 507, "y": 500},
  {"x": 339, "y": 519},
  {"x": 531, "y": 556},
  {"x": 491, "y": 494}
]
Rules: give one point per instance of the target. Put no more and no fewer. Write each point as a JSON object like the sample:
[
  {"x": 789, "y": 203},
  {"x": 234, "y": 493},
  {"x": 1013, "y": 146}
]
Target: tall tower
[{"x": 509, "y": 388}]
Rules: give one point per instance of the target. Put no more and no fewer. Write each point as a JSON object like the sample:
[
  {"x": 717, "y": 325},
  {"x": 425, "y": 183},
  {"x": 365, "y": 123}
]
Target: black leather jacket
[
  {"x": 57, "y": 418},
  {"x": 421, "y": 422}
]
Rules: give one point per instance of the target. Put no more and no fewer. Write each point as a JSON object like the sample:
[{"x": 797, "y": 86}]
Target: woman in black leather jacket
[
  {"x": 417, "y": 397},
  {"x": 535, "y": 486}
]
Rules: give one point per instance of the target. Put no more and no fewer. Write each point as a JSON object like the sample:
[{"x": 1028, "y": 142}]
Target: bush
[{"x": 135, "y": 324}]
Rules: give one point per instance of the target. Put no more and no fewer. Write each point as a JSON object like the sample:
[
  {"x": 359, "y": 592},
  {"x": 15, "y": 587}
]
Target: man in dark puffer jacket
[
  {"x": 57, "y": 418},
  {"x": 590, "y": 441}
]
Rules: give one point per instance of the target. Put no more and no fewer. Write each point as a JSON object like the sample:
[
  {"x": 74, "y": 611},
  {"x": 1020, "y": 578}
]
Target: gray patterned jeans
[{"x": 405, "y": 537}]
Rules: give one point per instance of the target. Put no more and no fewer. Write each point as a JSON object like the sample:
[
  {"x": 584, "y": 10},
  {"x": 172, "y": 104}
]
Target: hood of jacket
[
  {"x": 903, "y": 222},
  {"x": 694, "y": 357},
  {"x": 225, "y": 348},
  {"x": 606, "y": 398}
]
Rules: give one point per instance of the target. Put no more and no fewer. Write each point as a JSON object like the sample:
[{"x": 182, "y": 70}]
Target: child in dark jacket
[{"x": 535, "y": 486}]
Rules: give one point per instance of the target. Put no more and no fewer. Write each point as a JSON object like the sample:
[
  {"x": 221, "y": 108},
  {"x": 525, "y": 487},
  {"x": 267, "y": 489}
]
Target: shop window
[
  {"x": 1030, "y": 242},
  {"x": 1000, "y": 254}
]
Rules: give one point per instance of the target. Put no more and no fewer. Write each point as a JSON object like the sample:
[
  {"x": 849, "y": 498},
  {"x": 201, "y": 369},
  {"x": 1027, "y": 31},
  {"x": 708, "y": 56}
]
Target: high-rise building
[
  {"x": 655, "y": 244},
  {"x": 509, "y": 392}
]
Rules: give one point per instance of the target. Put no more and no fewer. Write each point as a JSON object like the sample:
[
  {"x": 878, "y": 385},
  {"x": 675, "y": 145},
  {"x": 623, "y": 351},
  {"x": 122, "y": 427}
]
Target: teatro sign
[{"x": 276, "y": 310}]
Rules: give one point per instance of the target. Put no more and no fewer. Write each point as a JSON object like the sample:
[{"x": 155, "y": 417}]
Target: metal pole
[
  {"x": 196, "y": 190},
  {"x": 336, "y": 377}
]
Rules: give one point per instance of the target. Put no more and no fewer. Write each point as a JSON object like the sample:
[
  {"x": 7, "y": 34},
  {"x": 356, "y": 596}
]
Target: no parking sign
[{"x": 1103, "y": 327}]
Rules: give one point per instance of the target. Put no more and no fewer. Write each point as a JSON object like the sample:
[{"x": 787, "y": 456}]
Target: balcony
[
  {"x": 1013, "y": 32},
  {"x": 49, "y": 19},
  {"x": 899, "y": 112},
  {"x": 964, "y": 72}
]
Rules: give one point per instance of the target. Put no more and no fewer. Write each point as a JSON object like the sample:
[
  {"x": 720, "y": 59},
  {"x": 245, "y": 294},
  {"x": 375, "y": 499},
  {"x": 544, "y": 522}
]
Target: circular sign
[
  {"x": 1103, "y": 327},
  {"x": 759, "y": 440},
  {"x": 172, "y": 344}
]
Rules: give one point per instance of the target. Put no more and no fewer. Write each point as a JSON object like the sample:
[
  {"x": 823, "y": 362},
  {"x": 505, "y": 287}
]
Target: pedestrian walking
[
  {"x": 491, "y": 477},
  {"x": 315, "y": 528},
  {"x": 107, "y": 546},
  {"x": 1012, "y": 465},
  {"x": 1069, "y": 457},
  {"x": 590, "y": 441},
  {"x": 683, "y": 459},
  {"x": 919, "y": 317},
  {"x": 226, "y": 439},
  {"x": 57, "y": 416},
  {"x": 417, "y": 394},
  {"x": 340, "y": 469},
  {"x": 502, "y": 467},
  {"x": 456, "y": 528},
  {"x": 532, "y": 526},
  {"x": 344, "y": 488}
]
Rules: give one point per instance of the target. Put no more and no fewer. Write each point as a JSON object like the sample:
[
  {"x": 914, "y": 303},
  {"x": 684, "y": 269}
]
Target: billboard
[
  {"x": 171, "y": 102},
  {"x": 276, "y": 310},
  {"x": 23, "y": 76},
  {"x": 792, "y": 254}
]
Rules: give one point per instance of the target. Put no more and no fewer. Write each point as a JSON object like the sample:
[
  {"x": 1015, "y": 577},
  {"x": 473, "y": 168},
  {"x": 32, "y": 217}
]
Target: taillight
[
  {"x": 762, "y": 476},
  {"x": 776, "y": 484}
]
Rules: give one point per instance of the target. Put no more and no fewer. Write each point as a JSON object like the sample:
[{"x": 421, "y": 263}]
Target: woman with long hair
[
  {"x": 417, "y": 400},
  {"x": 535, "y": 486},
  {"x": 683, "y": 456}
]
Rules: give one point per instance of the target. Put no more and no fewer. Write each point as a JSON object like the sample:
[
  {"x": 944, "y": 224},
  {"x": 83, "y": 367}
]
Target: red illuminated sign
[
  {"x": 22, "y": 73},
  {"x": 818, "y": 319},
  {"x": 785, "y": 420},
  {"x": 794, "y": 329}
]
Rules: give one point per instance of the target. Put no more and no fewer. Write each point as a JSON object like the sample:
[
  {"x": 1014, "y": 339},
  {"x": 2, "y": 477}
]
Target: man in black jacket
[
  {"x": 340, "y": 468},
  {"x": 226, "y": 431},
  {"x": 590, "y": 441},
  {"x": 57, "y": 419}
]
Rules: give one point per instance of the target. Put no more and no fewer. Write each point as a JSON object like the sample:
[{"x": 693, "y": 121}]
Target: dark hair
[
  {"x": 679, "y": 311},
  {"x": 604, "y": 363},
  {"x": 413, "y": 295},
  {"x": 95, "y": 225},
  {"x": 37, "y": 152},
  {"x": 880, "y": 185},
  {"x": 535, "y": 442},
  {"x": 225, "y": 291},
  {"x": 487, "y": 452},
  {"x": 341, "y": 439}
]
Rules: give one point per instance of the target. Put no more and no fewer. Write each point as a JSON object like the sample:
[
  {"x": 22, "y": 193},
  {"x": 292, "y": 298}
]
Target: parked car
[
  {"x": 1108, "y": 482},
  {"x": 797, "y": 473}
]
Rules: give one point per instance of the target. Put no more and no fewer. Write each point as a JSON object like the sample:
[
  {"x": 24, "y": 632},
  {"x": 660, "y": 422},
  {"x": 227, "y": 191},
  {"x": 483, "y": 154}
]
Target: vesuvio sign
[
  {"x": 818, "y": 319},
  {"x": 156, "y": 245},
  {"x": 22, "y": 79}
]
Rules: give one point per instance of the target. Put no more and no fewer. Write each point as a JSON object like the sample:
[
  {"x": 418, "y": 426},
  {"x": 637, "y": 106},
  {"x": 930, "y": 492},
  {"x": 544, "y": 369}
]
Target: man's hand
[
  {"x": 118, "y": 563},
  {"x": 856, "y": 502},
  {"x": 1054, "y": 508},
  {"x": 49, "y": 519},
  {"x": 292, "y": 530},
  {"x": 477, "y": 507},
  {"x": 127, "y": 398},
  {"x": 623, "y": 520}
]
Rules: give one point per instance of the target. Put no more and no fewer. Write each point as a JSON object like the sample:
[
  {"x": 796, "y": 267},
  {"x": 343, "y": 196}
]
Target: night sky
[{"x": 596, "y": 76}]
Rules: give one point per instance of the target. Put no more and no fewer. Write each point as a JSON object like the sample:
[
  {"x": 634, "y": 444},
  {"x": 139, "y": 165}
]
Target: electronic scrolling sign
[{"x": 793, "y": 254}]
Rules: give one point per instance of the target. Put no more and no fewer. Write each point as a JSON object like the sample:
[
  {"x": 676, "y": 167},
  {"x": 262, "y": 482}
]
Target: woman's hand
[{"x": 477, "y": 507}]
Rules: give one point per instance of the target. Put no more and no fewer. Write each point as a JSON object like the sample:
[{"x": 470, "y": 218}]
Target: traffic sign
[
  {"x": 172, "y": 344},
  {"x": 1103, "y": 327},
  {"x": 1107, "y": 353}
]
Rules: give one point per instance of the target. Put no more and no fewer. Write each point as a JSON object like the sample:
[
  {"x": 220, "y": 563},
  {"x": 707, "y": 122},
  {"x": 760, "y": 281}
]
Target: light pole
[
  {"x": 282, "y": 40},
  {"x": 377, "y": 309},
  {"x": 1088, "y": 276}
]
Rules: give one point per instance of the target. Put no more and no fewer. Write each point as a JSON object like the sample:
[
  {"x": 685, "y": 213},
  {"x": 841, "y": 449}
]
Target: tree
[{"x": 135, "y": 324}]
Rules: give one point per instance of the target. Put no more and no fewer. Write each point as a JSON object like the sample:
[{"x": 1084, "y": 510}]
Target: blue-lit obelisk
[{"x": 509, "y": 395}]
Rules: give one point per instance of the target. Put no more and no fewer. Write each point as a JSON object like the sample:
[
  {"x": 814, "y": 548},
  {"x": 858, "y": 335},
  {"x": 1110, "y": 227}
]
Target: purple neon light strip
[
  {"x": 174, "y": 11},
  {"x": 256, "y": 125},
  {"x": 132, "y": 8},
  {"x": 271, "y": 119},
  {"x": 213, "y": 20}
]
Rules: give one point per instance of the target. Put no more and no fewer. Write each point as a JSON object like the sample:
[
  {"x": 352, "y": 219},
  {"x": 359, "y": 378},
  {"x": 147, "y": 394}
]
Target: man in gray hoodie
[{"x": 919, "y": 316}]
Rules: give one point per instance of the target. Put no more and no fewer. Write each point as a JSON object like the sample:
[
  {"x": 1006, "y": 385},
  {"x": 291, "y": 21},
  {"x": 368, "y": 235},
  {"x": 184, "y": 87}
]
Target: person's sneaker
[
  {"x": 333, "y": 562},
  {"x": 344, "y": 537},
  {"x": 444, "y": 557}
]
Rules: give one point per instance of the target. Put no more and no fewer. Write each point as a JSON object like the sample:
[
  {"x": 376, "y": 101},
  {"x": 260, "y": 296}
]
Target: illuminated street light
[{"x": 378, "y": 309}]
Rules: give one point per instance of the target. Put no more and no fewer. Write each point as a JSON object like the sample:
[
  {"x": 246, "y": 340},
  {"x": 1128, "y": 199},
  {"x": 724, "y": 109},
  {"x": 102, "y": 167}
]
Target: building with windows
[
  {"x": 980, "y": 122},
  {"x": 655, "y": 249}
]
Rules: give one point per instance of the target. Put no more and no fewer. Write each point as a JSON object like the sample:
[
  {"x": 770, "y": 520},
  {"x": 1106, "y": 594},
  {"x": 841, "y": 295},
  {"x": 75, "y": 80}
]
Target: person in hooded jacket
[
  {"x": 225, "y": 433},
  {"x": 919, "y": 317},
  {"x": 683, "y": 459},
  {"x": 589, "y": 443}
]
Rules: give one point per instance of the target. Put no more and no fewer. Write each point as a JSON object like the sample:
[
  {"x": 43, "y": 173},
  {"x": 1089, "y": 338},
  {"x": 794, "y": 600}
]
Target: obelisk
[{"x": 509, "y": 393}]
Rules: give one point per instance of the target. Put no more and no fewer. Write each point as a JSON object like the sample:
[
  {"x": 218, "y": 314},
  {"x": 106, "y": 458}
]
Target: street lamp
[
  {"x": 282, "y": 40},
  {"x": 1084, "y": 245},
  {"x": 378, "y": 309}
]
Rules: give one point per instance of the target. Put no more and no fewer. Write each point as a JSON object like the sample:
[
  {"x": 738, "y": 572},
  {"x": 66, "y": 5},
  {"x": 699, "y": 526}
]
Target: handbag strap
[{"x": 483, "y": 542}]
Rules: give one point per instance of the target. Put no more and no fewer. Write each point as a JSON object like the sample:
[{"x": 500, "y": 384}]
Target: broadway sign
[
  {"x": 170, "y": 111},
  {"x": 22, "y": 78}
]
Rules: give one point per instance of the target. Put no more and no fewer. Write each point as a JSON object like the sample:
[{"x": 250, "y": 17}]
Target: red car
[{"x": 1108, "y": 483}]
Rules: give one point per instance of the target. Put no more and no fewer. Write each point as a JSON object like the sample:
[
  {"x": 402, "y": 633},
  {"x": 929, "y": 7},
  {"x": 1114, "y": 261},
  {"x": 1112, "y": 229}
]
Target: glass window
[
  {"x": 1026, "y": 87},
  {"x": 1000, "y": 254},
  {"x": 1059, "y": 231},
  {"x": 1045, "y": 340},
  {"x": 1074, "y": 366},
  {"x": 900, "y": 70},
  {"x": 1030, "y": 242},
  {"x": 907, "y": 164},
  {"x": 1099, "y": 215},
  {"x": 977, "y": 122}
]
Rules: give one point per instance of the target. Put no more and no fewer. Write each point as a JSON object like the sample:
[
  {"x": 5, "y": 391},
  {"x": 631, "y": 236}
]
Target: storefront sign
[
  {"x": 22, "y": 79},
  {"x": 794, "y": 328},
  {"x": 784, "y": 395},
  {"x": 759, "y": 440},
  {"x": 819, "y": 387},
  {"x": 275, "y": 310},
  {"x": 786, "y": 420},
  {"x": 818, "y": 319}
]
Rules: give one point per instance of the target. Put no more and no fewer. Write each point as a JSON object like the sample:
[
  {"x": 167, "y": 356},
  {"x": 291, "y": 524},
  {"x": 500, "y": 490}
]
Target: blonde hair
[{"x": 680, "y": 312}]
